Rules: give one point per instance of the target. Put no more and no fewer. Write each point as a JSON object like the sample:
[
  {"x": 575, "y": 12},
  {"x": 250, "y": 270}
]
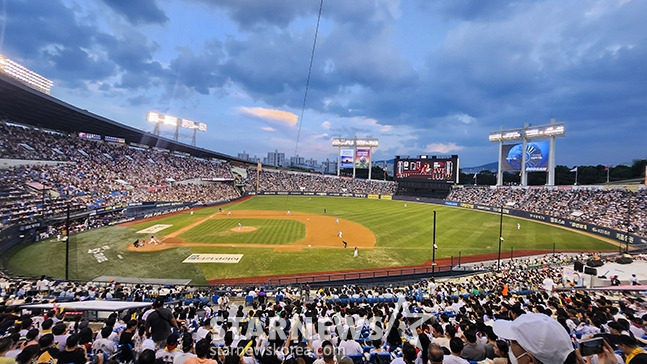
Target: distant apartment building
[
  {"x": 246, "y": 157},
  {"x": 275, "y": 159},
  {"x": 297, "y": 161}
]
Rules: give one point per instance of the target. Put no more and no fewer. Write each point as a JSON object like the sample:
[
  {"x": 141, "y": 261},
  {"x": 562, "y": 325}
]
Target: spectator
[
  {"x": 456, "y": 348},
  {"x": 73, "y": 353},
  {"x": 159, "y": 323},
  {"x": 202, "y": 349},
  {"x": 473, "y": 349},
  {"x": 537, "y": 336}
]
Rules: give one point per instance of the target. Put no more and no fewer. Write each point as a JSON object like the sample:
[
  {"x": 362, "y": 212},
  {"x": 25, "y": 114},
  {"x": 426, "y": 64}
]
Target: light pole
[
  {"x": 433, "y": 248},
  {"x": 498, "y": 259},
  {"x": 67, "y": 243},
  {"x": 629, "y": 229}
]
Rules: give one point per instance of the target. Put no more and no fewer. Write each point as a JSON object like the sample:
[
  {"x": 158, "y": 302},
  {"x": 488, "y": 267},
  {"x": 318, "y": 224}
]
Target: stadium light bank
[
  {"x": 25, "y": 76},
  {"x": 525, "y": 134},
  {"x": 173, "y": 121}
]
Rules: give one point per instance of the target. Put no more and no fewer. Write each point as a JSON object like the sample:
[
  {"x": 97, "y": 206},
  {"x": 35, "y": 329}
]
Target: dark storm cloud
[
  {"x": 60, "y": 45},
  {"x": 74, "y": 65},
  {"x": 252, "y": 14},
  {"x": 362, "y": 30},
  {"x": 138, "y": 11},
  {"x": 470, "y": 10},
  {"x": 28, "y": 29},
  {"x": 200, "y": 71},
  {"x": 488, "y": 70}
]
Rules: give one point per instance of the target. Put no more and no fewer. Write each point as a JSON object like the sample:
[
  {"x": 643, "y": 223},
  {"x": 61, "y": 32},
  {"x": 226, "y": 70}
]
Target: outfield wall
[
  {"x": 329, "y": 194},
  {"x": 622, "y": 236}
]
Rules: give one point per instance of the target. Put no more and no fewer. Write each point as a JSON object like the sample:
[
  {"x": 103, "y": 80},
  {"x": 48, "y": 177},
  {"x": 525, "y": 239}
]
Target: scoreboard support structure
[{"x": 360, "y": 146}]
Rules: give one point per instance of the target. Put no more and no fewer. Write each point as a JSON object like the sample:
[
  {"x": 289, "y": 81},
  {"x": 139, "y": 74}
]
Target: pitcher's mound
[{"x": 243, "y": 229}]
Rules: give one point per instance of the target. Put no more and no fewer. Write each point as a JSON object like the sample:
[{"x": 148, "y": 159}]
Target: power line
[{"x": 305, "y": 96}]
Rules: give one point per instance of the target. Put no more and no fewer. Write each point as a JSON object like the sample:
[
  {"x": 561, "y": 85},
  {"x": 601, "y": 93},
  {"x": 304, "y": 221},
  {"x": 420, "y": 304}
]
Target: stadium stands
[
  {"x": 56, "y": 170},
  {"x": 382, "y": 320},
  {"x": 619, "y": 209}
]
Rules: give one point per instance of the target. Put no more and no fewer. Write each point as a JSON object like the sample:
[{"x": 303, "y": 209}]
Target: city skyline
[{"x": 423, "y": 77}]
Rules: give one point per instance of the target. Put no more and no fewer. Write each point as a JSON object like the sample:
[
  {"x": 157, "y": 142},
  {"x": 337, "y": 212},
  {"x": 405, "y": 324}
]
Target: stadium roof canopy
[{"x": 24, "y": 105}]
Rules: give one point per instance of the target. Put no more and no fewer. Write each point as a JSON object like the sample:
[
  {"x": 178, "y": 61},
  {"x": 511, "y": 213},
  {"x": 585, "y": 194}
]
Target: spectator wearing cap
[
  {"x": 48, "y": 353},
  {"x": 159, "y": 323},
  {"x": 536, "y": 338},
  {"x": 31, "y": 338},
  {"x": 473, "y": 349},
  {"x": 60, "y": 335},
  {"x": 456, "y": 349},
  {"x": 46, "y": 326}
]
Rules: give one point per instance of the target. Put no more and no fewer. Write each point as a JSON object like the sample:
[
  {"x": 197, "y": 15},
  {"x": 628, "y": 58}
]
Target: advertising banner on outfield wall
[
  {"x": 536, "y": 156},
  {"x": 582, "y": 226},
  {"x": 362, "y": 158},
  {"x": 298, "y": 193},
  {"x": 346, "y": 157}
]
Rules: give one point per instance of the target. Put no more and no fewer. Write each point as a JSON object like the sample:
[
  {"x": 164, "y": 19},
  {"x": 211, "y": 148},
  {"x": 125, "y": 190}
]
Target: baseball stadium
[{"x": 212, "y": 219}]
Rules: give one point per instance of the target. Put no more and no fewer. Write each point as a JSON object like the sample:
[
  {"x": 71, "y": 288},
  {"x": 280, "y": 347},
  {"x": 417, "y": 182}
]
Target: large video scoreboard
[{"x": 430, "y": 168}]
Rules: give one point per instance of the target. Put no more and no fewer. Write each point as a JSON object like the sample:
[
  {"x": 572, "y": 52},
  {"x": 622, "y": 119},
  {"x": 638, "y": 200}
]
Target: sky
[{"x": 421, "y": 76}]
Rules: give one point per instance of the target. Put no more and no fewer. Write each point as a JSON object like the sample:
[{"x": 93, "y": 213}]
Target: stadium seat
[{"x": 249, "y": 300}]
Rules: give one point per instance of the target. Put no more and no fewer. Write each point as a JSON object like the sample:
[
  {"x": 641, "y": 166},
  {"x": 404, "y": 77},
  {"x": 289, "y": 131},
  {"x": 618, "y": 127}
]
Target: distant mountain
[{"x": 493, "y": 167}]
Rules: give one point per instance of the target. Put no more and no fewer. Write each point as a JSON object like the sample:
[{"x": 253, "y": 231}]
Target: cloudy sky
[{"x": 422, "y": 76}]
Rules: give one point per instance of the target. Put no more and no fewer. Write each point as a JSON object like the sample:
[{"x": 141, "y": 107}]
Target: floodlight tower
[
  {"x": 169, "y": 120},
  {"x": 525, "y": 134}
]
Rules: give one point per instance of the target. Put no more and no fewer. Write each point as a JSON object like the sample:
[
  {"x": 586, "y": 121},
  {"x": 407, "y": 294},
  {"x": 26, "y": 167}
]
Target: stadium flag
[
  {"x": 575, "y": 170},
  {"x": 606, "y": 168},
  {"x": 259, "y": 166}
]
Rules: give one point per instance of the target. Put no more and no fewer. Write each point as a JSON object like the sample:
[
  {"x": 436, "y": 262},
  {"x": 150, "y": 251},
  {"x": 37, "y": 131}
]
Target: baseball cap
[{"x": 542, "y": 336}]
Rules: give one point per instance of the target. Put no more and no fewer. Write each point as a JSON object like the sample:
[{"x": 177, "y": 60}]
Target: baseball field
[{"x": 280, "y": 235}]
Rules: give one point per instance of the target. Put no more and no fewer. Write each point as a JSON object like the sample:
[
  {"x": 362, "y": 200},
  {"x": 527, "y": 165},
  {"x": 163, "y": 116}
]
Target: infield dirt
[{"x": 321, "y": 232}]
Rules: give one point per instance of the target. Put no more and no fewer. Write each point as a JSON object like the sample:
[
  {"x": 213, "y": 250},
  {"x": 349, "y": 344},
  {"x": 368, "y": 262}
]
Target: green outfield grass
[
  {"x": 404, "y": 237},
  {"x": 268, "y": 232}
]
